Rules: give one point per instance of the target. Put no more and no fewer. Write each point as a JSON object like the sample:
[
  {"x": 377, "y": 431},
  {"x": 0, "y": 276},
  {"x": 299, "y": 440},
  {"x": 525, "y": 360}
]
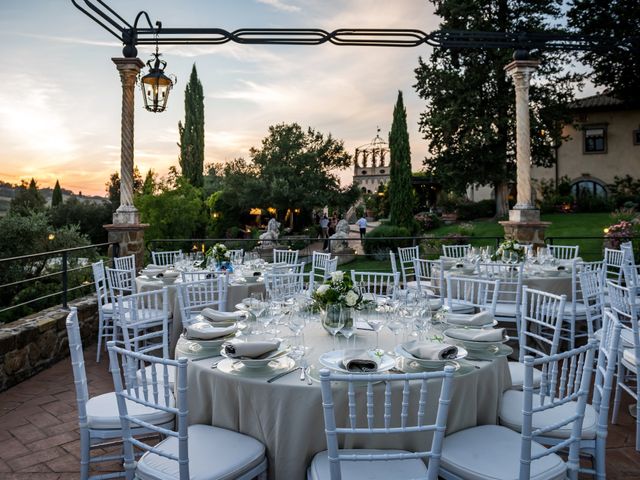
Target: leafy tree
[
  {"x": 150, "y": 184},
  {"x": 173, "y": 213},
  {"x": 293, "y": 169},
  {"x": 90, "y": 217},
  {"x": 400, "y": 187},
  {"x": 192, "y": 132},
  {"x": 214, "y": 178},
  {"x": 56, "y": 197},
  {"x": 469, "y": 121},
  {"x": 617, "y": 70},
  {"x": 113, "y": 186},
  {"x": 27, "y": 200}
]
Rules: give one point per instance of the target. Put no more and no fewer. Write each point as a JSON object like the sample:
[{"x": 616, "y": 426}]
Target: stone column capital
[{"x": 522, "y": 67}]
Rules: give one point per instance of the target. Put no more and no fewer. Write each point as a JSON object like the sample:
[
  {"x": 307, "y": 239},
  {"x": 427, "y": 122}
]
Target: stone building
[{"x": 371, "y": 167}]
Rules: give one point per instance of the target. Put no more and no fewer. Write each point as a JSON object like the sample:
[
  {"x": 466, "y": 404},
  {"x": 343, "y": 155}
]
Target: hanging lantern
[{"x": 156, "y": 85}]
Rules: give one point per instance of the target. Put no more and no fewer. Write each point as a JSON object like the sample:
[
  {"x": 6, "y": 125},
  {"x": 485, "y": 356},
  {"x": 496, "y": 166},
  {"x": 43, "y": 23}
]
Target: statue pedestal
[
  {"x": 130, "y": 239},
  {"x": 524, "y": 226}
]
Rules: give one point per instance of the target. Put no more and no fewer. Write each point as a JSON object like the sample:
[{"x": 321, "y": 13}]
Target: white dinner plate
[
  {"x": 462, "y": 353},
  {"x": 449, "y": 316},
  {"x": 234, "y": 367},
  {"x": 333, "y": 361},
  {"x": 476, "y": 345},
  {"x": 259, "y": 362},
  {"x": 214, "y": 342}
]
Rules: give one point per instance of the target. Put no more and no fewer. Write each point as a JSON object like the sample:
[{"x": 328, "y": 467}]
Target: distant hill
[{"x": 8, "y": 192}]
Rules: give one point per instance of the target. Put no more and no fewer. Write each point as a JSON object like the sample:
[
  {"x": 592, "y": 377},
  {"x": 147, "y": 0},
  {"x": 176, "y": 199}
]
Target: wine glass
[
  {"x": 394, "y": 324},
  {"x": 348, "y": 328},
  {"x": 333, "y": 320},
  {"x": 374, "y": 319},
  {"x": 296, "y": 324},
  {"x": 256, "y": 304}
]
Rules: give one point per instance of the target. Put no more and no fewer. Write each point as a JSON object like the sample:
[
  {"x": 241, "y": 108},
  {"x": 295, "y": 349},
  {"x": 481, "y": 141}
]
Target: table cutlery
[
  {"x": 307, "y": 372},
  {"x": 280, "y": 375}
]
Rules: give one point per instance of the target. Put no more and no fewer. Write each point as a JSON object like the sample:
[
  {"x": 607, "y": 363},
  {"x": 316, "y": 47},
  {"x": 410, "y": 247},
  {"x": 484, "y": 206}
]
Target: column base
[
  {"x": 126, "y": 214},
  {"x": 525, "y": 226},
  {"x": 130, "y": 239}
]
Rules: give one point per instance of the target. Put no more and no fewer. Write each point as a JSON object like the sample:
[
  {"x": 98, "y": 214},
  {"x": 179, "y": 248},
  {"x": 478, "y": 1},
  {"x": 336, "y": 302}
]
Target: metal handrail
[{"x": 55, "y": 252}]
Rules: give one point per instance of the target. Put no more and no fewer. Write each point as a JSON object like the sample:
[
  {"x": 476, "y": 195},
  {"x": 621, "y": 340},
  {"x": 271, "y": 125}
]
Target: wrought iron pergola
[{"x": 131, "y": 35}]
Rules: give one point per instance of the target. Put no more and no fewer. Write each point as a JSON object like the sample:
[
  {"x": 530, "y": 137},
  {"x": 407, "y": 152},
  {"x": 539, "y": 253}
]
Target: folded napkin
[
  {"x": 431, "y": 351},
  {"x": 360, "y": 361},
  {"x": 255, "y": 350},
  {"x": 215, "y": 316},
  {"x": 206, "y": 331},
  {"x": 477, "y": 320},
  {"x": 484, "y": 335}
]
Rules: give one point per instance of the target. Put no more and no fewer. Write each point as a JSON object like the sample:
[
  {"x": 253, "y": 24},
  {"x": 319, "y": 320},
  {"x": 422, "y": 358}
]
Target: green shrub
[
  {"x": 427, "y": 221},
  {"x": 373, "y": 242},
  {"x": 592, "y": 203},
  {"x": 473, "y": 210}
]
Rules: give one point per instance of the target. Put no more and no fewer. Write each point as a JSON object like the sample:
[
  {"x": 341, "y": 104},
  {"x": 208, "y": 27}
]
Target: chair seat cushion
[
  {"x": 107, "y": 308},
  {"x": 159, "y": 369},
  {"x": 214, "y": 453},
  {"x": 492, "y": 452},
  {"x": 511, "y": 416},
  {"x": 368, "y": 470},
  {"x": 507, "y": 310},
  {"x": 147, "y": 315},
  {"x": 102, "y": 412},
  {"x": 629, "y": 355},
  {"x": 516, "y": 369},
  {"x": 581, "y": 309},
  {"x": 626, "y": 337}
]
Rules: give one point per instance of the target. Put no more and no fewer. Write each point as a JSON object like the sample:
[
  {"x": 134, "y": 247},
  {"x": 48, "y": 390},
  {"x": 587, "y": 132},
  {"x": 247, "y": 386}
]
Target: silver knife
[{"x": 280, "y": 375}]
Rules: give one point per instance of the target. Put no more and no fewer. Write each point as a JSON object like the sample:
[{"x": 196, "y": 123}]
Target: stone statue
[
  {"x": 270, "y": 237},
  {"x": 339, "y": 240}
]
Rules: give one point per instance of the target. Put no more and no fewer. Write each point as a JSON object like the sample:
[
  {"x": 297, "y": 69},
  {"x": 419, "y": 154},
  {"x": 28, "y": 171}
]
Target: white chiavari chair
[
  {"x": 612, "y": 264},
  {"x": 288, "y": 257},
  {"x": 120, "y": 282},
  {"x": 283, "y": 286},
  {"x": 566, "y": 378},
  {"x": 468, "y": 295},
  {"x": 593, "y": 291},
  {"x": 98, "y": 416},
  {"x": 596, "y": 418},
  {"x": 106, "y": 328},
  {"x": 186, "y": 451},
  {"x": 406, "y": 255},
  {"x": 510, "y": 289},
  {"x": 540, "y": 329},
  {"x": 236, "y": 256},
  {"x": 377, "y": 284},
  {"x": 336, "y": 463},
  {"x": 193, "y": 297},
  {"x": 456, "y": 251},
  {"x": 564, "y": 252},
  {"x": 426, "y": 272},
  {"x": 318, "y": 272},
  {"x": 624, "y": 306},
  {"x": 165, "y": 259},
  {"x": 198, "y": 275},
  {"x": 125, "y": 263}
]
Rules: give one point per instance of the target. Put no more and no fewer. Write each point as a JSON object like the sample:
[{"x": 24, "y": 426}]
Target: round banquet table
[
  {"x": 287, "y": 415},
  {"x": 236, "y": 292}
]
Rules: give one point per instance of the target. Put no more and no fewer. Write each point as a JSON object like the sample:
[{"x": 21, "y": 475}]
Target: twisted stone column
[
  {"x": 129, "y": 69},
  {"x": 521, "y": 72}
]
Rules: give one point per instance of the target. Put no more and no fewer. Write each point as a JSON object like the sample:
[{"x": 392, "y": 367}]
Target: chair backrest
[
  {"x": 196, "y": 275},
  {"x": 456, "y": 251},
  {"x": 165, "y": 258},
  {"x": 282, "y": 286},
  {"x": 606, "y": 370},
  {"x": 125, "y": 263},
  {"x": 236, "y": 256},
  {"x": 623, "y": 302},
  {"x": 406, "y": 255},
  {"x": 149, "y": 390},
  {"x": 318, "y": 273},
  {"x": 136, "y": 313},
  {"x": 592, "y": 285},
  {"x": 627, "y": 252},
  {"x": 430, "y": 275},
  {"x": 480, "y": 293},
  {"x": 285, "y": 256},
  {"x": 510, "y": 286},
  {"x": 120, "y": 282},
  {"x": 564, "y": 252},
  {"x": 379, "y": 284},
  {"x": 540, "y": 323},
  {"x": 613, "y": 260},
  {"x": 566, "y": 377},
  {"x": 195, "y": 296},
  {"x": 408, "y": 421},
  {"x": 77, "y": 364},
  {"x": 100, "y": 281},
  {"x": 630, "y": 274}
]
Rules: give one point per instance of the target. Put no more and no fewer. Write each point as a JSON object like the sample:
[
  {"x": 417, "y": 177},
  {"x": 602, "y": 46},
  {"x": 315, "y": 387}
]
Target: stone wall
[{"x": 33, "y": 343}]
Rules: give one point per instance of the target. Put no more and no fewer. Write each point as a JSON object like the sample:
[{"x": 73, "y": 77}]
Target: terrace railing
[{"x": 30, "y": 283}]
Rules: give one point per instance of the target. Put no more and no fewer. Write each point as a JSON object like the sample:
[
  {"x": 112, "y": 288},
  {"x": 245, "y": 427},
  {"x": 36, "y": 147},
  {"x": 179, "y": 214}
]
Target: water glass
[{"x": 333, "y": 319}]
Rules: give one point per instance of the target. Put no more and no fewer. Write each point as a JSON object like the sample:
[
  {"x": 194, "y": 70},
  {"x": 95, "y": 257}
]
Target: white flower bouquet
[{"x": 338, "y": 290}]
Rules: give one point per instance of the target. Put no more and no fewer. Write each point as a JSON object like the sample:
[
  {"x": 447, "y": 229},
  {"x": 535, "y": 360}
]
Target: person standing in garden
[{"x": 362, "y": 225}]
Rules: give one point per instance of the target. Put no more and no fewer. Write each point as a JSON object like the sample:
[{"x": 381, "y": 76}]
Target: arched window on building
[{"x": 588, "y": 187}]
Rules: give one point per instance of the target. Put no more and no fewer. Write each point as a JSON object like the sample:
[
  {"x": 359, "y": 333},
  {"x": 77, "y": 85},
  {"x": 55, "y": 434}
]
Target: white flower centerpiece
[
  {"x": 509, "y": 251},
  {"x": 338, "y": 290},
  {"x": 221, "y": 257}
]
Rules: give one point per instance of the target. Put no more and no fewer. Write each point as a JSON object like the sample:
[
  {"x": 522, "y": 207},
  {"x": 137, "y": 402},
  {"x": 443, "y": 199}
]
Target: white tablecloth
[
  {"x": 235, "y": 294},
  {"x": 287, "y": 415}
]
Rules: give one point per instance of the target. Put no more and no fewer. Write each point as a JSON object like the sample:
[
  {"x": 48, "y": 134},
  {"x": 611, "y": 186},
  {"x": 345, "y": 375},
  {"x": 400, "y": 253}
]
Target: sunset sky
[{"x": 60, "y": 94}]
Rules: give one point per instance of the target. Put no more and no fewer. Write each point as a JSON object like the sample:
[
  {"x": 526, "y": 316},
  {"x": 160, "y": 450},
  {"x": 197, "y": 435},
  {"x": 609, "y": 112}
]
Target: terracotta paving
[{"x": 39, "y": 436}]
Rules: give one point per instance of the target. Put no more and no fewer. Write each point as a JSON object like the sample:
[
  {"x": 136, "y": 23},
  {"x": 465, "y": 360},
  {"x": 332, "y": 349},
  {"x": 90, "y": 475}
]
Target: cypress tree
[
  {"x": 56, "y": 197},
  {"x": 192, "y": 132},
  {"x": 400, "y": 188}
]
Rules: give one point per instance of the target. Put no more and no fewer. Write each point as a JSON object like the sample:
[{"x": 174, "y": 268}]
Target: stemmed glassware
[
  {"x": 333, "y": 320},
  {"x": 374, "y": 319}
]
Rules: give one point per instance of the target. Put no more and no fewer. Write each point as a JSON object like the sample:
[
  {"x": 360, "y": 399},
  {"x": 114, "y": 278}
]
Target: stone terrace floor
[{"x": 39, "y": 436}]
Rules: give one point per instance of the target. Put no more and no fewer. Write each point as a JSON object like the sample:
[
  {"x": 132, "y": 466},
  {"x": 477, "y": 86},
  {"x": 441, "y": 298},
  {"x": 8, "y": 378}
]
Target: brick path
[{"x": 39, "y": 436}]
